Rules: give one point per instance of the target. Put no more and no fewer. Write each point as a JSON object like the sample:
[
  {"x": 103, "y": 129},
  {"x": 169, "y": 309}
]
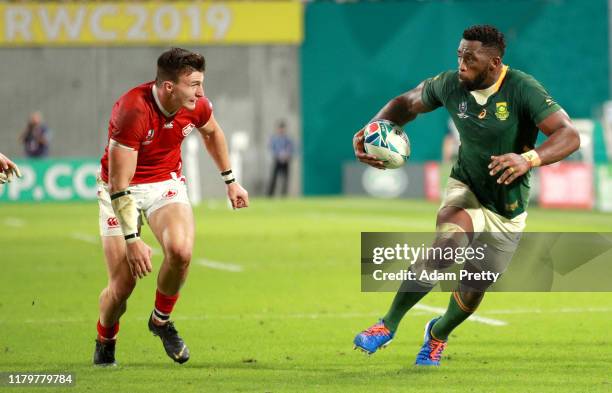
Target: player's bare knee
[
  {"x": 448, "y": 236},
  {"x": 179, "y": 255},
  {"x": 455, "y": 215}
]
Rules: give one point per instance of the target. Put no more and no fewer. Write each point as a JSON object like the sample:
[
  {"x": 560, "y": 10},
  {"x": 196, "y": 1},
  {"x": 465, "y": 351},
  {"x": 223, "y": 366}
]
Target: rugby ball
[{"x": 388, "y": 142}]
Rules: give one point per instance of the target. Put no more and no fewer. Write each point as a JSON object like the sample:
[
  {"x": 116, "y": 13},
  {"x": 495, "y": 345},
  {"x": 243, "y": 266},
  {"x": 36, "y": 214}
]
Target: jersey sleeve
[
  {"x": 129, "y": 127},
  {"x": 204, "y": 110},
  {"x": 435, "y": 90},
  {"x": 536, "y": 100}
]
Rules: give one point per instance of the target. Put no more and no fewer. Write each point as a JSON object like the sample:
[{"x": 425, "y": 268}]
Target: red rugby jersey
[{"x": 138, "y": 121}]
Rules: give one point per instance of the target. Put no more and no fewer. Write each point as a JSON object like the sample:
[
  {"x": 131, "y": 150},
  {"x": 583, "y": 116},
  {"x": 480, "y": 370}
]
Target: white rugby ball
[{"x": 388, "y": 142}]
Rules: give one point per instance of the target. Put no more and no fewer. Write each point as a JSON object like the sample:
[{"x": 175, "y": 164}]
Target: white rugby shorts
[{"x": 149, "y": 197}]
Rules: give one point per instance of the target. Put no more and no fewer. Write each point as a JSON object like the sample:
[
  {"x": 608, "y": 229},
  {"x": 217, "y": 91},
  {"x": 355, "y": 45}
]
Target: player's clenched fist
[
  {"x": 238, "y": 196},
  {"x": 7, "y": 169}
]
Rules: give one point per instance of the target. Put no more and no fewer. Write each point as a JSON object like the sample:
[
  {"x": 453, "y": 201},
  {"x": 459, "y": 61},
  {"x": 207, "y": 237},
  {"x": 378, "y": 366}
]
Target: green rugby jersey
[{"x": 506, "y": 123}]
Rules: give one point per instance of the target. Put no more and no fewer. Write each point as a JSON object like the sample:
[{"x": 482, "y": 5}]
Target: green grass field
[{"x": 283, "y": 313}]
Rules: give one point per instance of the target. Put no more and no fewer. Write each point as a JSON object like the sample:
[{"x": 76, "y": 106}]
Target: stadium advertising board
[
  {"x": 405, "y": 182},
  {"x": 604, "y": 187},
  {"x": 151, "y": 23},
  {"x": 567, "y": 185},
  {"x": 53, "y": 180}
]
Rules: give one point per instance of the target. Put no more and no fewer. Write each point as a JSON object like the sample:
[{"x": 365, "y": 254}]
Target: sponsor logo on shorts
[
  {"x": 169, "y": 194},
  {"x": 188, "y": 128},
  {"x": 112, "y": 222}
]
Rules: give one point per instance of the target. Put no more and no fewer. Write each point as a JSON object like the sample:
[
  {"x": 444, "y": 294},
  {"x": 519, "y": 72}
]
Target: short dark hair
[
  {"x": 488, "y": 35},
  {"x": 176, "y": 61}
]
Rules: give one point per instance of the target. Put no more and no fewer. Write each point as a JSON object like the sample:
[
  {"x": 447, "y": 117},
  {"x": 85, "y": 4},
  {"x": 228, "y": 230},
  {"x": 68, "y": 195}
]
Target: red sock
[
  {"x": 107, "y": 333},
  {"x": 164, "y": 305}
]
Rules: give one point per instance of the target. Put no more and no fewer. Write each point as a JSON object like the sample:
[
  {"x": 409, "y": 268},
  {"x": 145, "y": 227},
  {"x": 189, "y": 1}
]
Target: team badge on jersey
[
  {"x": 149, "y": 137},
  {"x": 187, "y": 129},
  {"x": 462, "y": 110},
  {"x": 501, "y": 110}
]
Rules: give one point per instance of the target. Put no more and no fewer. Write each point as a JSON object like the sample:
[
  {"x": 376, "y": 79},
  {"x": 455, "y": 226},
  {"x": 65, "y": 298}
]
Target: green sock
[
  {"x": 452, "y": 318},
  {"x": 402, "y": 302}
]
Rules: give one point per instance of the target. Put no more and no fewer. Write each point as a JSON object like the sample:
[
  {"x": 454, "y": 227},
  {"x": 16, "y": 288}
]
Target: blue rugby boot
[
  {"x": 432, "y": 348},
  {"x": 375, "y": 337}
]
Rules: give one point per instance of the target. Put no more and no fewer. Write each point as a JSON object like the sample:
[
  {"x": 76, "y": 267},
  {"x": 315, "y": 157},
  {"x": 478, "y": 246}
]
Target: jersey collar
[
  {"x": 481, "y": 96},
  {"x": 159, "y": 105}
]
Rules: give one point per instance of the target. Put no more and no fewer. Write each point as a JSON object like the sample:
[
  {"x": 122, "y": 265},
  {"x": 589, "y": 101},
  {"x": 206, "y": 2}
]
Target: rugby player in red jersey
[{"x": 141, "y": 176}]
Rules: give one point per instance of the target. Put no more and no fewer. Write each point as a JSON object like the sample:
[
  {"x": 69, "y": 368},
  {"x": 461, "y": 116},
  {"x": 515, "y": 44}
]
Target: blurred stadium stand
[{"x": 347, "y": 59}]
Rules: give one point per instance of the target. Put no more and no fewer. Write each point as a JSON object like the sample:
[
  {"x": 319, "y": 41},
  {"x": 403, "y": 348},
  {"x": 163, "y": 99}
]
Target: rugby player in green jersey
[{"x": 498, "y": 112}]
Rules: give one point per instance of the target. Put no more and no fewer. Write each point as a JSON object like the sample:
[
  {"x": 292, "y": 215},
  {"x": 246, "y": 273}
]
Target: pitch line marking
[
  {"x": 85, "y": 237},
  {"x": 228, "y": 267},
  {"x": 230, "y": 317},
  {"x": 473, "y": 317},
  {"x": 566, "y": 310},
  {"x": 417, "y": 311},
  {"x": 14, "y": 222}
]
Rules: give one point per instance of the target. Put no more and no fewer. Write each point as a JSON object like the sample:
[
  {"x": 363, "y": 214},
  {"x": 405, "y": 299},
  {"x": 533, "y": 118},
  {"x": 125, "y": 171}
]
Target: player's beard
[{"x": 476, "y": 84}]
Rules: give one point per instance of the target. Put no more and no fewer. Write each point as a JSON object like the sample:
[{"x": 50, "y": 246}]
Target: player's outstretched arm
[
  {"x": 400, "y": 110},
  {"x": 7, "y": 169},
  {"x": 216, "y": 145},
  {"x": 121, "y": 168},
  {"x": 563, "y": 139}
]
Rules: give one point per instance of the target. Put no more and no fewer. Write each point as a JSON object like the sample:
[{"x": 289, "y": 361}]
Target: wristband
[
  {"x": 228, "y": 176},
  {"x": 119, "y": 194},
  {"x": 533, "y": 158},
  {"x": 131, "y": 238}
]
